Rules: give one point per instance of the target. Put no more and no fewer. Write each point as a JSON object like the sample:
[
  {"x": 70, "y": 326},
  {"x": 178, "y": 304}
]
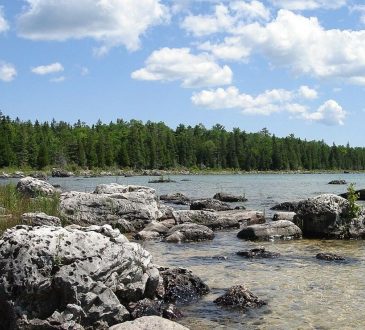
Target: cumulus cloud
[
  {"x": 271, "y": 101},
  {"x": 301, "y": 44},
  {"x": 111, "y": 22},
  {"x": 7, "y": 72},
  {"x": 309, "y": 4},
  {"x": 4, "y": 26},
  {"x": 361, "y": 10},
  {"x": 48, "y": 69},
  {"x": 178, "y": 64},
  {"x": 225, "y": 18},
  {"x": 308, "y": 93}
]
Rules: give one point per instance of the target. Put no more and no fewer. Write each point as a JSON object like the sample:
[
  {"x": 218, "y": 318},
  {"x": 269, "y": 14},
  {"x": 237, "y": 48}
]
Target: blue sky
[{"x": 291, "y": 66}]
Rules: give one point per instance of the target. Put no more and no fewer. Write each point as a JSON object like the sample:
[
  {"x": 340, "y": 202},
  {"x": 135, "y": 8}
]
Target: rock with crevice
[
  {"x": 189, "y": 232},
  {"x": 32, "y": 187},
  {"x": 40, "y": 219},
  {"x": 74, "y": 274}
]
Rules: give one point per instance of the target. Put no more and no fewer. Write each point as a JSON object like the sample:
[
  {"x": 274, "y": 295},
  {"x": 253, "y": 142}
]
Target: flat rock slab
[
  {"x": 149, "y": 323},
  {"x": 281, "y": 229}
]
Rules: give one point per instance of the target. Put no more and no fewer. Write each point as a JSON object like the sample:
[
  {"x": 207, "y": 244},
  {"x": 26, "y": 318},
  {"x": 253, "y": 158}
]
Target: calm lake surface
[{"x": 301, "y": 291}]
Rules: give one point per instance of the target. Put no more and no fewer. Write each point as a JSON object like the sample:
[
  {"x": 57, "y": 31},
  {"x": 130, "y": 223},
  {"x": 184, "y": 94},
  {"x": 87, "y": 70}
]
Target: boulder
[
  {"x": 83, "y": 275},
  {"x": 139, "y": 207},
  {"x": 189, "y": 232},
  {"x": 212, "y": 220},
  {"x": 337, "y": 182},
  {"x": 209, "y": 204},
  {"x": 40, "y": 219},
  {"x": 360, "y": 192},
  {"x": 32, "y": 187},
  {"x": 148, "y": 307},
  {"x": 244, "y": 217},
  {"x": 115, "y": 188},
  {"x": 153, "y": 230},
  {"x": 239, "y": 297},
  {"x": 258, "y": 253},
  {"x": 229, "y": 198},
  {"x": 283, "y": 216},
  {"x": 281, "y": 229},
  {"x": 59, "y": 173},
  {"x": 180, "y": 286},
  {"x": 124, "y": 226},
  {"x": 176, "y": 198},
  {"x": 329, "y": 257},
  {"x": 149, "y": 323},
  {"x": 286, "y": 206}
]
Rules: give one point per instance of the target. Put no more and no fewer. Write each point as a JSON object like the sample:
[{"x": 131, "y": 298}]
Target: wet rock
[
  {"x": 32, "y": 187},
  {"x": 189, "y": 232},
  {"x": 139, "y": 207},
  {"x": 161, "y": 180},
  {"x": 145, "y": 307},
  {"x": 59, "y": 173},
  {"x": 209, "y": 204},
  {"x": 176, "y": 198},
  {"x": 145, "y": 235},
  {"x": 337, "y": 182},
  {"x": 181, "y": 286},
  {"x": 212, "y": 220},
  {"x": 360, "y": 192},
  {"x": 283, "y": 216},
  {"x": 329, "y": 256},
  {"x": 153, "y": 230},
  {"x": 171, "y": 312},
  {"x": 239, "y": 297},
  {"x": 229, "y": 198},
  {"x": 149, "y": 323},
  {"x": 286, "y": 206},
  {"x": 258, "y": 253},
  {"x": 86, "y": 275},
  {"x": 40, "y": 219},
  {"x": 281, "y": 229},
  {"x": 244, "y": 217}
]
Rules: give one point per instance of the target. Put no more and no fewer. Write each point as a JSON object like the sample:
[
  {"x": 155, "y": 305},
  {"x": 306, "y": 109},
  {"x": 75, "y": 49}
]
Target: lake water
[{"x": 301, "y": 291}]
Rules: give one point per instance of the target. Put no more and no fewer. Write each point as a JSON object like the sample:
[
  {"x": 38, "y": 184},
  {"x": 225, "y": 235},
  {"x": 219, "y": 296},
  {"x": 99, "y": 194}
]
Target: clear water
[{"x": 301, "y": 291}]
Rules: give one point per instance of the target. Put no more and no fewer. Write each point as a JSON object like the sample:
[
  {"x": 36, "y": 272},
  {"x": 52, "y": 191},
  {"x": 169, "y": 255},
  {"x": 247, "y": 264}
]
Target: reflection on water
[{"x": 302, "y": 292}]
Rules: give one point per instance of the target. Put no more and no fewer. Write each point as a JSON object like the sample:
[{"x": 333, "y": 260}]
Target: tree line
[{"x": 149, "y": 145}]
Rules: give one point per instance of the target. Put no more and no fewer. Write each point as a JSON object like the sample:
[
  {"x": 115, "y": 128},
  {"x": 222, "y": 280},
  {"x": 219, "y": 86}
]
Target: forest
[{"x": 138, "y": 145}]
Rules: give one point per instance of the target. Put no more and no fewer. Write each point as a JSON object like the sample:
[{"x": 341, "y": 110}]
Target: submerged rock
[
  {"x": 40, "y": 219},
  {"x": 329, "y": 256},
  {"x": 149, "y": 323},
  {"x": 209, "y": 204},
  {"x": 177, "y": 198},
  {"x": 258, "y": 253},
  {"x": 32, "y": 187},
  {"x": 229, "y": 198},
  {"x": 239, "y": 297},
  {"x": 189, "y": 232},
  {"x": 281, "y": 229},
  {"x": 84, "y": 275},
  {"x": 181, "y": 286},
  {"x": 337, "y": 182}
]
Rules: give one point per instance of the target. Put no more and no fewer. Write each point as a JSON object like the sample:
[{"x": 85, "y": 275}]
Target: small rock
[
  {"x": 209, "y": 204},
  {"x": 337, "y": 182},
  {"x": 286, "y": 206},
  {"x": 144, "y": 307},
  {"x": 258, "y": 253},
  {"x": 329, "y": 256},
  {"x": 229, "y": 198},
  {"x": 177, "y": 198},
  {"x": 239, "y": 297},
  {"x": 171, "y": 312},
  {"x": 189, "y": 232}
]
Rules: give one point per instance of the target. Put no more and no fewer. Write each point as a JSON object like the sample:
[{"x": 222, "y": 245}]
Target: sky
[{"x": 291, "y": 66}]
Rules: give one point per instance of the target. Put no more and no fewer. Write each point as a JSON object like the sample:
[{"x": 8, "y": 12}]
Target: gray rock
[
  {"x": 145, "y": 235},
  {"x": 139, "y": 207},
  {"x": 32, "y": 187},
  {"x": 115, "y": 188},
  {"x": 169, "y": 223},
  {"x": 166, "y": 212},
  {"x": 189, "y": 232},
  {"x": 59, "y": 173},
  {"x": 40, "y": 219},
  {"x": 283, "y": 216},
  {"x": 84, "y": 275},
  {"x": 209, "y": 204},
  {"x": 286, "y": 206},
  {"x": 239, "y": 297},
  {"x": 176, "y": 198},
  {"x": 212, "y": 220},
  {"x": 258, "y": 253},
  {"x": 337, "y": 182},
  {"x": 153, "y": 230},
  {"x": 281, "y": 229},
  {"x": 244, "y": 217},
  {"x": 39, "y": 175},
  {"x": 329, "y": 257},
  {"x": 229, "y": 198},
  {"x": 124, "y": 226},
  {"x": 149, "y": 323}
]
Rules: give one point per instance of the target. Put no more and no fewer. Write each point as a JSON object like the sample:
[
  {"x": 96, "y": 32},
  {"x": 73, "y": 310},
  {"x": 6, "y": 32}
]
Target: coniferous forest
[{"x": 151, "y": 145}]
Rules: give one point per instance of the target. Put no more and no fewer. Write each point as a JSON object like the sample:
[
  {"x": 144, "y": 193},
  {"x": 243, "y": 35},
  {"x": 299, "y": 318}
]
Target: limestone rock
[
  {"x": 177, "y": 198},
  {"x": 283, "y": 216},
  {"x": 209, "y": 204},
  {"x": 40, "y": 219},
  {"x": 244, "y": 217},
  {"x": 229, "y": 198},
  {"x": 189, "y": 232},
  {"x": 33, "y": 187}
]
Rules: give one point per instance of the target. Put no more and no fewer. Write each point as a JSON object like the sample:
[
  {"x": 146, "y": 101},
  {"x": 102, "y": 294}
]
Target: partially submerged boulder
[
  {"x": 149, "y": 323},
  {"x": 32, "y": 187},
  {"x": 327, "y": 256},
  {"x": 229, "y": 198},
  {"x": 176, "y": 198},
  {"x": 209, "y": 204},
  {"x": 337, "y": 182},
  {"x": 189, "y": 232},
  {"x": 281, "y": 229},
  {"x": 258, "y": 253},
  {"x": 40, "y": 219},
  {"x": 83, "y": 275},
  {"x": 286, "y": 206},
  {"x": 239, "y": 297},
  {"x": 244, "y": 217}
]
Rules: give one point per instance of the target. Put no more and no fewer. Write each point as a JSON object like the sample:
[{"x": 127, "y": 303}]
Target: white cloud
[
  {"x": 302, "y": 45},
  {"x": 361, "y": 10},
  {"x": 47, "y": 69},
  {"x": 178, "y": 64},
  {"x": 308, "y": 93},
  {"x": 225, "y": 18},
  {"x": 271, "y": 101},
  {"x": 111, "y": 22},
  {"x": 309, "y": 4},
  {"x": 4, "y": 26},
  {"x": 7, "y": 72},
  {"x": 58, "y": 79}
]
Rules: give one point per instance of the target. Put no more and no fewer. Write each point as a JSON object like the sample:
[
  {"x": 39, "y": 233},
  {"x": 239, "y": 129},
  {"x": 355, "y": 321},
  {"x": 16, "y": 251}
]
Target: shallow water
[{"x": 301, "y": 291}]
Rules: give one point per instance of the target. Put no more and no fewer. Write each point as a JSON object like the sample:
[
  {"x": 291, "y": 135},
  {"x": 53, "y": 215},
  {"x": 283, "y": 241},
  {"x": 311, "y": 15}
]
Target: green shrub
[{"x": 352, "y": 197}]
